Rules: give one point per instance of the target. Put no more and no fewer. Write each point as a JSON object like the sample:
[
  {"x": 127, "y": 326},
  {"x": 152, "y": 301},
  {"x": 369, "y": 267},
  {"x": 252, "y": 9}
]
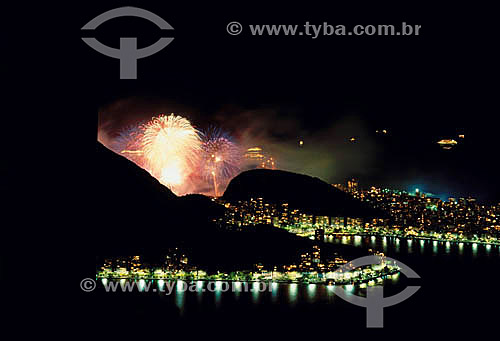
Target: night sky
[
  {"x": 421, "y": 89},
  {"x": 286, "y": 88}
]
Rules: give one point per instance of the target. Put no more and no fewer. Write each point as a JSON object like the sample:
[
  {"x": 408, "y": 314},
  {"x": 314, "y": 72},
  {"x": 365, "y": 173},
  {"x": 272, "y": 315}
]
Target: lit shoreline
[
  {"x": 370, "y": 234},
  {"x": 392, "y": 271}
]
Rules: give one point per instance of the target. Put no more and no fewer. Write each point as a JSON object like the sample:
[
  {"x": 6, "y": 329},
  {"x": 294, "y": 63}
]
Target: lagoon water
[{"x": 458, "y": 288}]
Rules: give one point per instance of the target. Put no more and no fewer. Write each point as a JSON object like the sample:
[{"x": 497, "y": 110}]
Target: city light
[{"x": 447, "y": 143}]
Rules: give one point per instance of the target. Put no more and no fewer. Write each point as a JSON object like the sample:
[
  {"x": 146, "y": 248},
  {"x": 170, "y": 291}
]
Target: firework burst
[
  {"x": 221, "y": 158},
  {"x": 170, "y": 146},
  {"x": 179, "y": 156}
]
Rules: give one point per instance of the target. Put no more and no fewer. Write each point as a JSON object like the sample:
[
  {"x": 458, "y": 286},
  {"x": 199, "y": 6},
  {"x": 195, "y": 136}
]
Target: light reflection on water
[
  {"x": 395, "y": 277},
  {"x": 199, "y": 291},
  {"x": 274, "y": 292},
  {"x": 407, "y": 246},
  {"x": 237, "y": 289},
  {"x": 141, "y": 284},
  {"x": 255, "y": 292},
  {"x": 410, "y": 245},
  {"x": 349, "y": 290},
  {"x": 357, "y": 240},
  {"x": 330, "y": 291},
  {"x": 179, "y": 296},
  {"x": 292, "y": 293},
  {"x": 161, "y": 285},
  {"x": 311, "y": 291}
]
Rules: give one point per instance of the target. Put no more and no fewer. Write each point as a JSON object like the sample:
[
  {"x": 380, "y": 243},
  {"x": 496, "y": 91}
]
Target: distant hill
[{"x": 308, "y": 194}]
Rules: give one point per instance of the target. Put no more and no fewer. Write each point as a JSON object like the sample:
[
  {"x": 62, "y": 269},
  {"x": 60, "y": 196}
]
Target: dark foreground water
[{"x": 459, "y": 293}]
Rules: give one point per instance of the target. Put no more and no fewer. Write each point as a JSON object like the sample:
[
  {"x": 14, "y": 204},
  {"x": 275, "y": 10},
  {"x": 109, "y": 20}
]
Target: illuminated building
[
  {"x": 135, "y": 264},
  {"x": 352, "y": 185},
  {"x": 276, "y": 221},
  {"x": 316, "y": 254},
  {"x": 284, "y": 219},
  {"x": 322, "y": 221},
  {"x": 254, "y": 153},
  {"x": 123, "y": 263},
  {"x": 107, "y": 267},
  {"x": 269, "y": 163},
  {"x": 337, "y": 222},
  {"x": 354, "y": 222},
  {"x": 447, "y": 143},
  {"x": 340, "y": 186},
  {"x": 176, "y": 260},
  {"x": 306, "y": 220},
  {"x": 256, "y": 158},
  {"x": 319, "y": 234}
]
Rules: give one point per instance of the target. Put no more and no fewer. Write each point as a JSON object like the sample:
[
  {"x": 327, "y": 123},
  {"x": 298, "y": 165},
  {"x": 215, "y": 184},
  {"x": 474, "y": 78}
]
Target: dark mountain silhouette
[
  {"x": 138, "y": 215},
  {"x": 308, "y": 194}
]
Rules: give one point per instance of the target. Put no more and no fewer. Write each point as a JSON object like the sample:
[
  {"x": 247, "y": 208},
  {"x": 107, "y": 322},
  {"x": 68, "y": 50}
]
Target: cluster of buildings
[
  {"x": 419, "y": 214},
  {"x": 410, "y": 215},
  {"x": 313, "y": 262},
  {"x": 258, "y": 211},
  {"x": 174, "y": 264},
  {"x": 312, "y": 267}
]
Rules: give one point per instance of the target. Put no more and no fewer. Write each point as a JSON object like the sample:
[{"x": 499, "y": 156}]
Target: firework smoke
[{"x": 128, "y": 143}]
